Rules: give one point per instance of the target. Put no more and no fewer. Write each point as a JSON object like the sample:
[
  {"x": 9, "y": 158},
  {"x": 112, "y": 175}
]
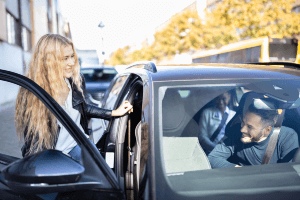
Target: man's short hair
[{"x": 268, "y": 117}]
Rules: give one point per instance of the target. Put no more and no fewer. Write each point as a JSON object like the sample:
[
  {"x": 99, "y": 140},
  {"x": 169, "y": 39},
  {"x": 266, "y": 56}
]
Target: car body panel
[{"x": 207, "y": 72}]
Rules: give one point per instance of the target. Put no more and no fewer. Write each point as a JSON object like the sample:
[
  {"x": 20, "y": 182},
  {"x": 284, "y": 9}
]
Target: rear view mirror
[{"x": 42, "y": 172}]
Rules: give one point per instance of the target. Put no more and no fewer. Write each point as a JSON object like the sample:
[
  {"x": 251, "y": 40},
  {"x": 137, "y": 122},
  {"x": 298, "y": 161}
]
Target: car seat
[
  {"x": 176, "y": 121},
  {"x": 292, "y": 119}
]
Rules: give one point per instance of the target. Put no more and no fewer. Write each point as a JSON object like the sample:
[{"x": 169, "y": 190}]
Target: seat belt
[
  {"x": 271, "y": 146},
  {"x": 223, "y": 121},
  {"x": 273, "y": 140}
]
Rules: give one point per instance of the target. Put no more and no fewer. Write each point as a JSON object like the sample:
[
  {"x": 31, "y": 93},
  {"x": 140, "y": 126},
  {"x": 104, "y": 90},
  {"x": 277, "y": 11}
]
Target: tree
[
  {"x": 119, "y": 56},
  {"x": 182, "y": 34},
  {"x": 233, "y": 20},
  {"x": 230, "y": 21}
]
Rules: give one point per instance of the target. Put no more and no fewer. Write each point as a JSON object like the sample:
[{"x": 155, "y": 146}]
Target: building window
[
  {"x": 296, "y": 9},
  {"x": 49, "y": 26},
  {"x": 49, "y": 16},
  {"x": 26, "y": 39},
  {"x": 57, "y": 22},
  {"x": 11, "y": 29}
]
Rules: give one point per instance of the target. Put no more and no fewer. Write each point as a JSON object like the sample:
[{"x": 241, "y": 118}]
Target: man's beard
[{"x": 248, "y": 138}]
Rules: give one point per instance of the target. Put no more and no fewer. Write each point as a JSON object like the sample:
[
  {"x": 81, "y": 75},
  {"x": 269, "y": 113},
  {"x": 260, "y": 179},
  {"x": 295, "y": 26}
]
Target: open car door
[{"x": 51, "y": 171}]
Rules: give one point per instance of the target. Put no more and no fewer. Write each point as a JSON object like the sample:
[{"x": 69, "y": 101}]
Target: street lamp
[{"x": 101, "y": 26}]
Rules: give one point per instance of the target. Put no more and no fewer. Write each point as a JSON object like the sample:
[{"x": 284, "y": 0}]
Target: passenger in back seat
[{"x": 212, "y": 128}]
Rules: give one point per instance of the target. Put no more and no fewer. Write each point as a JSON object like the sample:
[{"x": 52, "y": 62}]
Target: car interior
[{"x": 181, "y": 114}]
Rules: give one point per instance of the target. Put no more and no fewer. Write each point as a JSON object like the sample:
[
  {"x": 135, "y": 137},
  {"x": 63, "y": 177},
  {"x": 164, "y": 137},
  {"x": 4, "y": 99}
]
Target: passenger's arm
[
  {"x": 203, "y": 137},
  {"x": 219, "y": 155}
]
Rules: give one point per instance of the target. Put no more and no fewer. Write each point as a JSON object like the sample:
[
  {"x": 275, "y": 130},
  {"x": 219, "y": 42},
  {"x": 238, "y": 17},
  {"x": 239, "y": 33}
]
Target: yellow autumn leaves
[{"x": 228, "y": 22}]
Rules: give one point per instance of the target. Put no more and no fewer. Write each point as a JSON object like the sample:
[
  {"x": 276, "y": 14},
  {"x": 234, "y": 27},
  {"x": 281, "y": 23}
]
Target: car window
[
  {"x": 188, "y": 112},
  {"x": 10, "y": 144},
  {"x": 98, "y": 75},
  {"x": 113, "y": 93}
]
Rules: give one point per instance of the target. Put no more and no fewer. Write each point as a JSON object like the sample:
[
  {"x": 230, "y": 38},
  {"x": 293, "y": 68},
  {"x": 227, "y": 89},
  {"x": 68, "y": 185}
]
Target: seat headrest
[{"x": 173, "y": 110}]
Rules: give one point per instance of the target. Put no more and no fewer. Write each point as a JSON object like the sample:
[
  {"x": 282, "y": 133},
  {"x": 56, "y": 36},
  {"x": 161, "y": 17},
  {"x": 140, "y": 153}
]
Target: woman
[{"x": 54, "y": 66}]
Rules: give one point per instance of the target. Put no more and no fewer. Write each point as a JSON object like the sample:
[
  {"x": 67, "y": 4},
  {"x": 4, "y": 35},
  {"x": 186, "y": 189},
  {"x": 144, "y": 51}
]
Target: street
[{"x": 9, "y": 142}]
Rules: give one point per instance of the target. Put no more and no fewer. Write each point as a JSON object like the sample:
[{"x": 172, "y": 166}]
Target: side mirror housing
[{"x": 42, "y": 172}]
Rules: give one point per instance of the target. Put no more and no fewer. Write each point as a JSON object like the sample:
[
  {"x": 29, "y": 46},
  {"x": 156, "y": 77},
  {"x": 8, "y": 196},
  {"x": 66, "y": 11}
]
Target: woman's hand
[{"x": 124, "y": 108}]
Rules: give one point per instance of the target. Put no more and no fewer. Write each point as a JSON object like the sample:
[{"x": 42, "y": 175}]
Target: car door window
[
  {"x": 109, "y": 101},
  {"x": 10, "y": 144},
  {"x": 10, "y": 147}
]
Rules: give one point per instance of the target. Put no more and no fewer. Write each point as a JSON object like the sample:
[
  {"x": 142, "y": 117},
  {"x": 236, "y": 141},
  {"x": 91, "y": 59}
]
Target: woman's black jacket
[{"x": 86, "y": 110}]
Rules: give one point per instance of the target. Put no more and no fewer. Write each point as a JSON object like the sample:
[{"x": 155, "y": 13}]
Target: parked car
[
  {"x": 98, "y": 79},
  {"x": 154, "y": 152}
]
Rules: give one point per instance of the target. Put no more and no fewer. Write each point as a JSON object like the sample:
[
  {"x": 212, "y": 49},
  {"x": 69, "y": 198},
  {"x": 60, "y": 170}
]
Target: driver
[{"x": 250, "y": 146}]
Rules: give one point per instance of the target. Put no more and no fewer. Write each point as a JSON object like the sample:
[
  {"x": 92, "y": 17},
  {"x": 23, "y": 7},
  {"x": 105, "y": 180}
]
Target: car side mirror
[{"x": 45, "y": 172}]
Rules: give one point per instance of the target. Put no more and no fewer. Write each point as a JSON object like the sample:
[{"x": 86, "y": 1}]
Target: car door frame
[
  {"x": 102, "y": 143},
  {"x": 143, "y": 76}
]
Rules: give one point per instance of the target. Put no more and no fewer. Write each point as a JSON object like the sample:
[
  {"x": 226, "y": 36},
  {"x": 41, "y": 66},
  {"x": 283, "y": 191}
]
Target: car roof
[{"x": 219, "y": 71}]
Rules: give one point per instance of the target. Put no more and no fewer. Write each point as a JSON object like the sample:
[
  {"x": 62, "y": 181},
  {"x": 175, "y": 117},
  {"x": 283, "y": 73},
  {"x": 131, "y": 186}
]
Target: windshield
[
  {"x": 98, "y": 75},
  {"x": 191, "y": 121}
]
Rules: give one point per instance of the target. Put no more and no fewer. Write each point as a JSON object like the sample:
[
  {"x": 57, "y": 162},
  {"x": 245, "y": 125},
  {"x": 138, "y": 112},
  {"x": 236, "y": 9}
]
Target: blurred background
[
  {"x": 110, "y": 34},
  {"x": 117, "y": 33}
]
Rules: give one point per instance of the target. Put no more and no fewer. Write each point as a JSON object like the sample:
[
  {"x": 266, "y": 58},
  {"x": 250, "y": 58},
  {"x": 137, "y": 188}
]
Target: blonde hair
[{"x": 46, "y": 68}]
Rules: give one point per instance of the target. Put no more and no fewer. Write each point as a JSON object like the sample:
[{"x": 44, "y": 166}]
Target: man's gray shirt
[{"x": 234, "y": 152}]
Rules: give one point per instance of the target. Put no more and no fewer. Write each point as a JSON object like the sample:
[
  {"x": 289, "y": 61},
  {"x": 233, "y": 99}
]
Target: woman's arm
[
  {"x": 96, "y": 112},
  {"x": 93, "y": 111}
]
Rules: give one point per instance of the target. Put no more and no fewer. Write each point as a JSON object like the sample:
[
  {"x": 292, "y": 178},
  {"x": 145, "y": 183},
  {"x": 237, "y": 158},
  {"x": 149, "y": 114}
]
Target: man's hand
[
  {"x": 237, "y": 166},
  {"x": 124, "y": 108}
]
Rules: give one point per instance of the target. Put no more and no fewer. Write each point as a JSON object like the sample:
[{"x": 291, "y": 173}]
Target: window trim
[{"x": 11, "y": 28}]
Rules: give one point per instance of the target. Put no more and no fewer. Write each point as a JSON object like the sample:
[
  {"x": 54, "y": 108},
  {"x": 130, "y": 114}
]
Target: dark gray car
[{"x": 154, "y": 152}]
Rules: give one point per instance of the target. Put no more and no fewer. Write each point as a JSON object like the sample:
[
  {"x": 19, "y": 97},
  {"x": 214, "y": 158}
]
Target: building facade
[{"x": 22, "y": 23}]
